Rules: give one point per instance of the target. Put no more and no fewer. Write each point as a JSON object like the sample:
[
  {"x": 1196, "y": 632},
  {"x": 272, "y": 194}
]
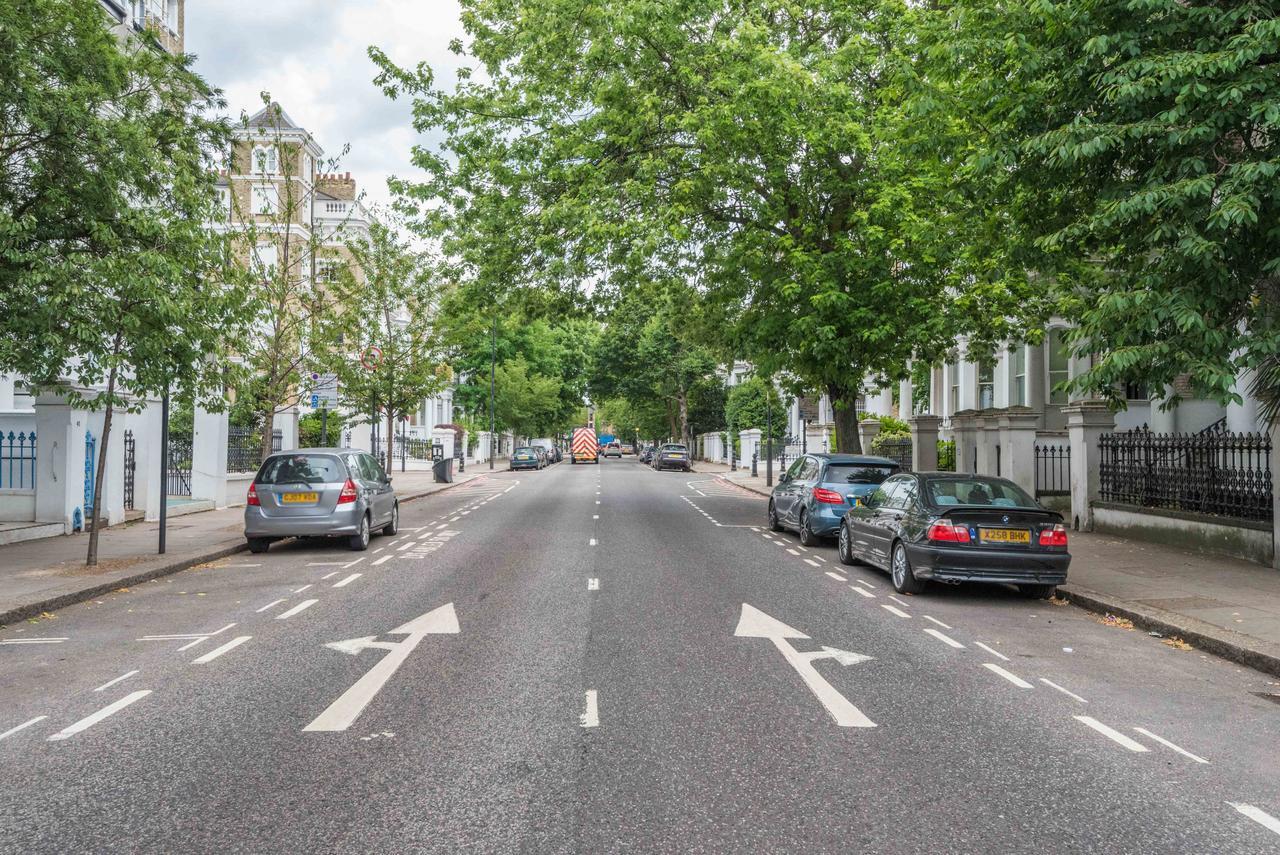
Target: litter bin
[{"x": 443, "y": 470}]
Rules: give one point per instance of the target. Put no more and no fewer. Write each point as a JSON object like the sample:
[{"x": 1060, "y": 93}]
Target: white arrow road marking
[
  {"x": 11, "y": 731},
  {"x": 218, "y": 651},
  {"x": 1259, "y": 816},
  {"x": 90, "y": 720},
  {"x": 756, "y": 624},
  {"x": 1112, "y": 734},
  {"x": 346, "y": 709},
  {"x": 1167, "y": 744}
]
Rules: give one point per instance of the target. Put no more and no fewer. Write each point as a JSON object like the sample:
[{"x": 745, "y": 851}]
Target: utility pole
[{"x": 493, "y": 358}]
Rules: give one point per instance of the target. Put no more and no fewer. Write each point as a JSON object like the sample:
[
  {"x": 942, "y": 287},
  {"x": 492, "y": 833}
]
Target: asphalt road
[{"x": 609, "y": 659}]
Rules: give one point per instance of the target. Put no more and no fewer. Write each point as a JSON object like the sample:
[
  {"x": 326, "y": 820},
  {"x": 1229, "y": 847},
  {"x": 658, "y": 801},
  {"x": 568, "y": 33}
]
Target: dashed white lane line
[
  {"x": 820, "y": 558},
  {"x": 408, "y": 544},
  {"x": 935, "y": 620},
  {"x": 90, "y": 720},
  {"x": 300, "y": 590},
  {"x": 1012, "y": 678},
  {"x": 813, "y": 563},
  {"x": 270, "y": 604},
  {"x": 218, "y": 651},
  {"x": 597, "y": 501},
  {"x": 593, "y": 584},
  {"x": 383, "y": 560},
  {"x": 947, "y": 640},
  {"x": 342, "y": 583},
  {"x": 898, "y": 601},
  {"x": 792, "y": 551},
  {"x": 591, "y": 542},
  {"x": 454, "y": 519},
  {"x": 1167, "y": 744},
  {"x": 591, "y": 713},
  {"x": 350, "y": 564},
  {"x": 111, "y": 683},
  {"x": 328, "y": 575},
  {"x": 862, "y": 593},
  {"x": 1258, "y": 815},
  {"x": 305, "y": 604},
  {"x": 34, "y": 641},
  {"x": 996, "y": 653},
  {"x": 11, "y": 731},
  {"x": 595, "y": 516},
  {"x": 1068, "y": 693},
  {"x": 865, "y": 584},
  {"x": 379, "y": 549},
  {"x": 894, "y": 610},
  {"x": 443, "y": 525},
  {"x": 836, "y": 576},
  {"x": 1111, "y": 733}
]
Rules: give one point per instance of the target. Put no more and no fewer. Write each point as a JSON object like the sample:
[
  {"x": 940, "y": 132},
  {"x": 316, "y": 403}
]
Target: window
[
  {"x": 306, "y": 167},
  {"x": 1059, "y": 365},
  {"x": 810, "y": 470},
  {"x": 223, "y": 211},
  {"x": 266, "y": 160},
  {"x": 266, "y": 199},
  {"x": 978, "y": 491},
  {"x": 265, "y": 259},
  {"x": 1018, "y": 364},
  {"x": 326, "y": 270},
  {"x": 1136, "y": 392},
  {"x": 903, "y": 495},
  {"x": 846, "y": 473},
  {"x": 986, "y": 385},
  {"x": 885, "y": 495},
  {"x": 300, "y": 469}
]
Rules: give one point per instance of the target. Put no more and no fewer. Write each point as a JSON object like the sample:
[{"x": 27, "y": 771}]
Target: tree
[
  {"x": 747, "y": 404},
  {"x": 384, "y": 306},
  {"x": 109, "y": 275}
]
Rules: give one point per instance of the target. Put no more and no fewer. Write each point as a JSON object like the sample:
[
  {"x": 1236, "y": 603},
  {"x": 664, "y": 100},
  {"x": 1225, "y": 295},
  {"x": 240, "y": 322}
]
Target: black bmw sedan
[{"x": 952, "y": 527}]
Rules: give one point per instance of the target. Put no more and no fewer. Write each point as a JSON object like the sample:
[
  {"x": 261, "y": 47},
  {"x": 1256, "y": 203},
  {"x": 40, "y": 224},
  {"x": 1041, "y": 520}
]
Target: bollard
[{"x": 755, "y": 458}]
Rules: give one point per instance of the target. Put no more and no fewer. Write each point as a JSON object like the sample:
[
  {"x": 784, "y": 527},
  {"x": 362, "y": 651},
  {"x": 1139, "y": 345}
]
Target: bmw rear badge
[{"x": 1004, "y": 519}]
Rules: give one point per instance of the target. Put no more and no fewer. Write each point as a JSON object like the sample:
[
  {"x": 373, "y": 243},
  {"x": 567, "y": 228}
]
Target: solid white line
[
  {"x": 299, "y": 607},
  {"x": 303, "y": 588},
  {"x": 11, "y": 731},
  {"x": 836, "y": 576},
  {"x": 993, "y": 652},
  {"x": 591, "y": 716},
  {"x": 894, "y": 610},
  {"x": 110, "y": 683},
  {"x": 866, "y": 584},
  {"x": 1258, "y": 815},
  {"x": 950, "y": 642},
  {"x": 1070, "y": 694},
  {"x": 270, "y": 604},
  {"x": 1012, "y": 678},
  {"x": 218, "y": 651},
  {"x": 201, "y": 640},
  {"x": 862, "y": 593},
  {"x": 1167, "y": 744},
  {"x": 898, "y": 601},
  {"x": 328, "y": 575},
  {"x": 792, "y": 551},
  {"x": 342, "y": 583},
  {"x": 591, "y": 542},
  {"x": 383, "y": 560},
  {"x": 241, "y": 565},
  {"x": 34, "y": 641},
  {"x": 1114, "y": 735},
  {"x": 89, "y": 721},
  {"x": 935, "y": 620},
  {"x": 593, "y": 584}
]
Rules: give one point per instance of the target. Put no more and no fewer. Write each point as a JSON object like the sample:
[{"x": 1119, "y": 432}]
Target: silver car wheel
[
  {"x": 899, "y": 566},
  {"x": 364, "y": 530}
]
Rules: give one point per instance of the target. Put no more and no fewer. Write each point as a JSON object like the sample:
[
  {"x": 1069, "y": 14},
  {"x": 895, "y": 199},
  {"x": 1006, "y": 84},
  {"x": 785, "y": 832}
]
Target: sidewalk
[
  {"x": 1224, "y": 606},
  {"x": 42, "y": 575}
]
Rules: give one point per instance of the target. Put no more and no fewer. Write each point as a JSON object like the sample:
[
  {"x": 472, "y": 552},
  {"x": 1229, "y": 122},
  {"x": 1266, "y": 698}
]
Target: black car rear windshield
[
  {"x": 977, "y": 491},
  {"x": 674, "y": 448},
  {"x": 301, "y": 469},
  {"x": 858, "y": 473}
]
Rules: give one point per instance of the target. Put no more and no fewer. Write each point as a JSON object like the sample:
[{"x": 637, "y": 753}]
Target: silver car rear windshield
[
  {"x": 977, "y": 492},
  {"x": 301, "y": 469}
]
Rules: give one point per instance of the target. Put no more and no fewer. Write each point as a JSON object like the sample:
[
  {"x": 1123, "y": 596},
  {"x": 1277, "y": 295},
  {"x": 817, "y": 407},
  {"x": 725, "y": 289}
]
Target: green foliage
[
  {"x": 746, "y": 405},
  {"x": 310, "y": 436},
  {"x": 889, "y": 425}
]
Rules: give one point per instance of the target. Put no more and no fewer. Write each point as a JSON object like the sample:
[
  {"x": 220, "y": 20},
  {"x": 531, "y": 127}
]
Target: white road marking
[
  {"x": 201, "y": 640},
  {"x": 591, "y": 715},
  {"x": 1259, "y": 816},
  {"x": 597, "y": 501},
  {"x": 218, "y": 651},
  {"x": 835, "y": 575},
  {"x": 464, "y": 513},
  {"x": 270, "y": 604},
  {"x": 408, "y": 544},
  {"x": 326, "y": 563},
  {"x": 303, "y": 588},
  {"x": 182, "y": 636},
  {"x": 379, "y": 549},
  {"x": 894, "y": 610},
  {"x": 591, "y": 542},
  {"x": 34, "y": 641},
  {"x": 354, "y": 563},
  {"x": 820, "y": 558},
  {"x": 328, "y": 575},
  {"x": 241, "y": 565},
  {"x": 935, "y": 620},
  {"x": 947, "y": 640},
  {"x": 443, "y": 525},
  {"x": 898, "y": 601},
  {"x": 595, "y": 516},
  {"x": 593, "y": 584},
  {"x": 1112, "y": 734},
  {"x": 453, "y": 519},
  {"x": 865, "y": 584},
  {"x": 1012, "y": 678},
  {"x": 792, "y": 551},
  {"x": 342, "y": 583},
  {"x": 305, "y": 604},
  {"x": 90, "y": 720},
  {"x": 111, "y": 683},
  {"x": 862, "y": 593},
  {"x": 1167, "y": 744},
  {"x": 992, "y": 651},
  {"x": 1069, "y": 694},
  {"x": 383, "y": 560},
  {"x": 11, "y": 731},
  {"x": 813, "y": 563}
]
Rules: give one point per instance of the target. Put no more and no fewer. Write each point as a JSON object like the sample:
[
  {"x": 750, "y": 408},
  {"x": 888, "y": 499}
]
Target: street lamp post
[
  {"x": 164, "y": 466},
  {"x": 493, "y": 358},
  {"x": 768, "y": 440}
]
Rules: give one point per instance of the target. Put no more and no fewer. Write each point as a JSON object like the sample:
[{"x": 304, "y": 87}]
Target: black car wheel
[
  {"x": 774, "y": 524},
  {"x": 845, "y": 547},
  {"x": 807, "y": 537},
  {"x": 904, "y": 581},
  {"x": 1038, "y": 592},
  {"x": 258, "y": 545},
  {"x": 359, "y": 541}
]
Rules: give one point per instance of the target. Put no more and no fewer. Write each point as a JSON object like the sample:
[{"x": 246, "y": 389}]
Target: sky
[{"x": 311, "y": 56}]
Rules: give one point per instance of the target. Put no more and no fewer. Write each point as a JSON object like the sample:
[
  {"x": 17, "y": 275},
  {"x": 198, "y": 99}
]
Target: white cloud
[{"x": 311, "y": 55}]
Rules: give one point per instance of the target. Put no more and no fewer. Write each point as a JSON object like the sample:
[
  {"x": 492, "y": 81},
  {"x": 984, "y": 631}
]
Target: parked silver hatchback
[{"x": 320, "y": 492}]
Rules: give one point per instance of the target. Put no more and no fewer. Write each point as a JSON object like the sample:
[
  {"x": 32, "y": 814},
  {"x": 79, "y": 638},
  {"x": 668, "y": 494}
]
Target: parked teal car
[
  {"x": 526, "y": 457},
  {"x": 814, "y": 493}
]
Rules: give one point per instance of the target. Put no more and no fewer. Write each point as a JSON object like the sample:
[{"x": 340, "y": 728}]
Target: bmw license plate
[
  {"x": 298, "y": 498},
  {"x": 1004, "y": 535}
]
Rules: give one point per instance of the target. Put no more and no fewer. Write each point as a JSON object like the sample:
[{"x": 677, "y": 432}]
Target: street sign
[
  {"x": 372, "y": 357},
  {"x": 324, "y": 391},
  {"x": 315, "y": 401},
  {"x": 756, "y": 624},
  {"x": 345, "y": 710}
]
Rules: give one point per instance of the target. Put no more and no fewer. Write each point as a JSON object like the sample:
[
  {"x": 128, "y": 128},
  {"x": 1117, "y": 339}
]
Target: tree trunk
[
  {"x": 267, "y": 444},
  {"x": 91, "y": 559},
  {"x": 683, "y": 401},
  {"x": 391, "y": 441},
  {"x": 844, "y": 410}
]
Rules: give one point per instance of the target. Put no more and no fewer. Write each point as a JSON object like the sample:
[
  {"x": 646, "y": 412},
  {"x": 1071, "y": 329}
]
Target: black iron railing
[
  {"x": 946, "y": 455},
  {"x": 178, "y": 474},
  {"x": 1053, "y": 470},
  {"x": 244, "y": 449},
  {"x": 130, "y": 468},
  {"x": 1221, "y": 473},
  {"x": 896, "y": 448}
]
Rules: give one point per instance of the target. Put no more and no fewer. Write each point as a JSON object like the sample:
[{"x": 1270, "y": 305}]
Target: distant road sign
[
  {"x": 372, "y": 357},
  {"x": 315, "y": 401}
]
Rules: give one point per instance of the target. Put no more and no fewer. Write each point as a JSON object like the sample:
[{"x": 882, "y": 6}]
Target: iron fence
[
  {"x": 90, "y": 469},
  {"x": 1053, "y": 470},
  {"x": 277, "y": 439},
  {"x": 18, "y": 460},
  {"x": 1217, "y": 472},
  {"x": 244, "y": 449},
  {"x": 178, "y": 471},
  {"x": 896, "y": 448},
  {"x": 130, "y": 468},
  {"x": 946, "y": 455}
]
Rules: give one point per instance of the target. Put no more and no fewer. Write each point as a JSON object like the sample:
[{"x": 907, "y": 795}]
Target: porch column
[
  {"x": 148, "y": 460},
  {"x": 963, "y": 427},
  {"x": 1243, "y": 417},
  {"x": 60, "y": 461},
  {"x": 988, "y": 441},
  {"x": 924, "y": 442},
  {"x": 867, "y": 430},
  {"x": 1037, "y": 378},
  {"x": 906, "y": 399},
  {"x": 287, "y": 422},
  {"x": 1086, "y": 422},
  {"x": 1018, "y": 447},
  {"x": 750, "y": 441},
  {"x": 209, "y": 457}
]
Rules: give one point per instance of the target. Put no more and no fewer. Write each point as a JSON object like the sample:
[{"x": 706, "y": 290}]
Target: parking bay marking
[
  {"x": 11, "y": 731},
  {"x": 1259, "y": 816},
  {"x": 90, "y": 720},
  {"x": 1112, "y": 734},
  {"x": 347, "y": 708},
  {"x": 754, "y": 623}
]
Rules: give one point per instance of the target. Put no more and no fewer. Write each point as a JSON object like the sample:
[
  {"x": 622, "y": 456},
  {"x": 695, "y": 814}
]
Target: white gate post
[
  {"x": 867, "y": 431},
  {"x": 1086, "y": 422},
  {"x": 924, "y": 442},
  {"x": 209, "y": 434},
  {"x": 1018, "y": 447}
]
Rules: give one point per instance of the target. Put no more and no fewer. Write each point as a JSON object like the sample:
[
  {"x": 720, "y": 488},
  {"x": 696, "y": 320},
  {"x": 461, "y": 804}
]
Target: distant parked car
[
  {"x": 628, "y": 448},
  {"x": 612, "y": 449},
  {"x": 646, "y": 455},
  {"x": 328, "y": 492},
  {"x": 957, "y": 528},
  {"x": 817, "y": 489},
  {"x": 525, "y": 457},
  {"x": 672, "y": 456}
]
